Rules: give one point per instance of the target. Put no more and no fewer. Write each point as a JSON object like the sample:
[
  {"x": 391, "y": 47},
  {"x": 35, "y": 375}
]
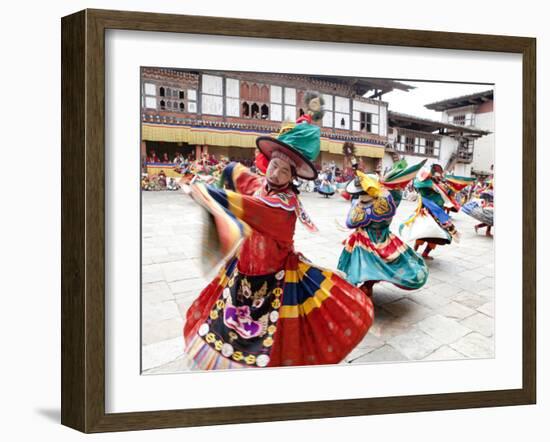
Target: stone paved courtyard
[{"x": 451, "y": 317}]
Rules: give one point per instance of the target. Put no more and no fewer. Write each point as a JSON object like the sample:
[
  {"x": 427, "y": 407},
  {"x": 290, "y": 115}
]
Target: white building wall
[
  {"x": 387, "y": 161},
  {"x": 468, "y": 112},
  {"x": 383, "y": 119},
  {"x": 232, "y": 107},
  {"x": 276, "y": 93},
  {"x": 150, "y": 89},
  {"x": 232, "y": 88},
  {"x": 462, "y": 169},
  {"x": 212, "y": 105},
  {"x": 212, "y": 84},
  {"x": 150, "y": 102},
  {"x": 484, "y": 147},
  {"x": 365, "y": 107},
  {"x": 448, "y": 147}
]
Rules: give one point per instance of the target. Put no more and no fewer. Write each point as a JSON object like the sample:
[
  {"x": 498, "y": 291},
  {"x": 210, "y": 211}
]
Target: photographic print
[
  {"x": 294, "y": 220},
  {"x": 239, "y": 199}
]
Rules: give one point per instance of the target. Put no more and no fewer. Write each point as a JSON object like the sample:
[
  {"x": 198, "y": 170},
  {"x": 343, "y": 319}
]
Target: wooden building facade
[
  {"x": 222, "y": 113},
  {"x": 473, "y": 110},
  {"x": 448, "y": 144}
]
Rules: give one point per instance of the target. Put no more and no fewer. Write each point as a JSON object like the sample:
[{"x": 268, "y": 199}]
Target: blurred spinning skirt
[
  {"x": 429, "y": 223},
  {"x": 379, "y": 255},
  {"x": 301, "y": 315},
  {"x": 327, "y": 189},
  {"x": 482, "y": 214}
]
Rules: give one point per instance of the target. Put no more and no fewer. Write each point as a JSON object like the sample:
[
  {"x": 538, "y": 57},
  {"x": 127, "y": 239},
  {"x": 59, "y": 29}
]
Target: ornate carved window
[
  {"x": 409, "y": 144},
  {"x": 245, "y": 110},
  {"x": 255, "y": 110}
]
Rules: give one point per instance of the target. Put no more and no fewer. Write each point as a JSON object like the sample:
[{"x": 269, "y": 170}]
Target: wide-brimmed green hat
[{"x": 300, "y": 143}]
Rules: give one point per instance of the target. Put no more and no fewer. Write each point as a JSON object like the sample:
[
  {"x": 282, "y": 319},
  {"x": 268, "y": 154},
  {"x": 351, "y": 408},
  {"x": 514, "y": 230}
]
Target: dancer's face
[{"x": 278, "y": 172}]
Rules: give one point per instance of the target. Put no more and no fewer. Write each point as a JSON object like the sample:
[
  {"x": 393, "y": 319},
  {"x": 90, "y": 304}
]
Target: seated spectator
[
  {"x": 172, "y": 185},
  {"x": 162, "y": 179},
  {"x": 152, "y": 158},
  {"x": 145, "y": 183}
]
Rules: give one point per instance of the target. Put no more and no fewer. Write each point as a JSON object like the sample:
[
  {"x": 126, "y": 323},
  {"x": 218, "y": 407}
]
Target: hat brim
[
  {"x": 304, "y": 168},
  {"x": 353, "y": 189}
]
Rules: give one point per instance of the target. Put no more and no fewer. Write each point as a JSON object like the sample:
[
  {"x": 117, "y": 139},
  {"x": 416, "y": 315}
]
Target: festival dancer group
[{"x": 270, "y": 306}]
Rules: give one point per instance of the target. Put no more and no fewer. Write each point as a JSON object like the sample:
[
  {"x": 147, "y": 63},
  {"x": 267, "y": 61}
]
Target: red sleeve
[
  {"x": 270, "y": 220},
  {"x": 272, "y": 216}
]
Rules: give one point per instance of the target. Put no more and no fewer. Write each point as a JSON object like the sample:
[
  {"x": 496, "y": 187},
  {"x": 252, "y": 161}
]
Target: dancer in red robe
[{"x": 269, "y": 306}]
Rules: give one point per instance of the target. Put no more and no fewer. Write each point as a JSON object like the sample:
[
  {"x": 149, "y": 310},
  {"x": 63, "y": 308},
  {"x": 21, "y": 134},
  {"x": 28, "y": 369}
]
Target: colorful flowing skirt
[
  {"x": 302, "y": 315},
  {"x": 379, "y": 255},
  {"x": 482, "y": 214}
]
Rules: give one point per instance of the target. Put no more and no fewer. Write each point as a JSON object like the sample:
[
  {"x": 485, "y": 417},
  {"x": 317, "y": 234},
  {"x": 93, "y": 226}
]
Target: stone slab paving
[
  {"x": 450, "y": 318},
  {"x": 444, "y": 353},
  {"x": 475, "y": 345},
  {"x": 480, "y": 323}
]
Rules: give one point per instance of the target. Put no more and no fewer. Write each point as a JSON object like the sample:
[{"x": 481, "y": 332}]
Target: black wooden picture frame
[{"x": 83, "y": 220}]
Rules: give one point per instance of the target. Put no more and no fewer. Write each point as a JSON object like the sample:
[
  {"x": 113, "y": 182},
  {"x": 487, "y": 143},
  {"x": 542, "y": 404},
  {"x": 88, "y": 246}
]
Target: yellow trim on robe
[
  {"x": 315, "y": 301},
  {"x": 203, "y": 197},
  {"x": 291, "y": 276},
  {"x": 224, "y": 279},
  {"x": 303, "y": 268},
  {"x": 235, "y": 204},
  {"x": 416, "y": 213}
]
